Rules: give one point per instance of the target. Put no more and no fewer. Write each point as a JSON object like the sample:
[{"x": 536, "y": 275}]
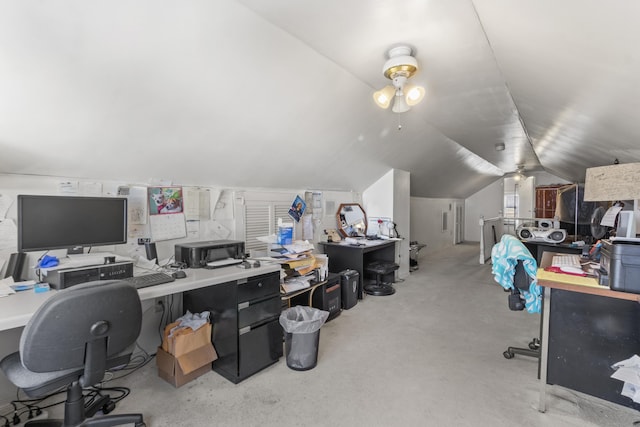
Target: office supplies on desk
[
  {"x": 199, "y": 254},
  {"x": 5, "y": 288},
  {"x": 24, "y": 286},
  {"x": 568, "y": 260},
  {"x": 224, "y": 262},
  {"x": 66, "y": 277},
  {"x": 150, "y": 279},
  {"x": 620, "y": 261}
]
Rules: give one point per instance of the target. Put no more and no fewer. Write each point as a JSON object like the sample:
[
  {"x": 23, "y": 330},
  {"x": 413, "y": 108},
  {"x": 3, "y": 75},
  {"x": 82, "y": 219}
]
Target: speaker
[
  {"x": 524, "y": 233},
  {"x": 14, "y": 268},
  {"x": 557, "y": 236},
  {"x": 150, "y": 249},
  {"x": 545, "y": 224},
  {"x": 554, "y": 235}
]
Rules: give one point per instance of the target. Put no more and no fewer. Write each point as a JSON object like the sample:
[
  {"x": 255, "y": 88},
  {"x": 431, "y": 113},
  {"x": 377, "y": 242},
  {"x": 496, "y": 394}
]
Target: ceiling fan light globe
[
  {"x": 400, "y": 105},
  {"x": 384, "y": 96},
  {"x": 415, "y": 94}
]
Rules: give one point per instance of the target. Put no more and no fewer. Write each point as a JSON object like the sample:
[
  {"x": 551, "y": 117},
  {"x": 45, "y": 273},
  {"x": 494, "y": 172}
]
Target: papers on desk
[
  {"x": 629, "y": 371},
  {"x": 295, "y": 284},
  {"x": 5, "y": 287}
]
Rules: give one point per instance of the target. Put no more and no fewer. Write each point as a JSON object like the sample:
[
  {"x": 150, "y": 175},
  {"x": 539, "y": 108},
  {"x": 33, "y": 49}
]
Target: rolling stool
[{"x": 380, "y": 268}]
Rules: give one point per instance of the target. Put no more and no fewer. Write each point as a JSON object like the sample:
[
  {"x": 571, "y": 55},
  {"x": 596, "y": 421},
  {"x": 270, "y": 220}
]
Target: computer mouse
[
  {"x": 256, "y": 263},
  {"x": 179, "y": 274}
]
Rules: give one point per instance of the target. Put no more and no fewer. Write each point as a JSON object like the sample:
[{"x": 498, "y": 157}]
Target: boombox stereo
[{"x": 548, "y": 235}]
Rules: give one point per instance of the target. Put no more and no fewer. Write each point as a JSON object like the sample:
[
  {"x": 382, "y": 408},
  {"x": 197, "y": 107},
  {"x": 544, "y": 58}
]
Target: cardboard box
[{"x": 192, "y": 356}]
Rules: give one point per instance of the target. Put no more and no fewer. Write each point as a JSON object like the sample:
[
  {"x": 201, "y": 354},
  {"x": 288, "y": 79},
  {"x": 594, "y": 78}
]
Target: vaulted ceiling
[{"x": 278, "y": 93}]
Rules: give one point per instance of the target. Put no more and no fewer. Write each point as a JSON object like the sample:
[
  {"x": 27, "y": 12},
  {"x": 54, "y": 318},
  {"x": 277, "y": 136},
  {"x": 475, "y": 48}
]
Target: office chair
[
  {"x": 521, "y": 282},
  {"x": 71, "y": 340}
]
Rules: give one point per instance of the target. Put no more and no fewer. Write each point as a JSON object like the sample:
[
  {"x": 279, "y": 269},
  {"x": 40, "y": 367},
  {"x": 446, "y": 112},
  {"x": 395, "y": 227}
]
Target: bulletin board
[{"x": 614, "y": 182}]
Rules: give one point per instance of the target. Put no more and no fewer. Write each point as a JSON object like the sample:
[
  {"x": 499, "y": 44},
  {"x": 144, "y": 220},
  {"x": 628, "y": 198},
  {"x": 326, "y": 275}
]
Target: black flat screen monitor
[{"x": 59, "y": 222}]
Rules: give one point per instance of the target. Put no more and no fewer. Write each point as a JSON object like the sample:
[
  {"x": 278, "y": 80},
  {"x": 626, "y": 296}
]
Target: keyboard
[
  {"x": 151, "y": 279},
  {"x": 566, "y": 261}
]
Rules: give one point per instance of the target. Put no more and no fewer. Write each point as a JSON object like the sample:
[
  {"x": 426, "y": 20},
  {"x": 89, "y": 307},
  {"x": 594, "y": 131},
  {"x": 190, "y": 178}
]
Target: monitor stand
[{"x": 76, "y": 250}]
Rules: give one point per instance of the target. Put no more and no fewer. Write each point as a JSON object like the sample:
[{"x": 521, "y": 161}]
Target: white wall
[
  {"x": 377, "y": 199},
  {"x": 487, "y": 203},
  {"x": 426, "y": 223},
  {"x": 389, "y": 197}
]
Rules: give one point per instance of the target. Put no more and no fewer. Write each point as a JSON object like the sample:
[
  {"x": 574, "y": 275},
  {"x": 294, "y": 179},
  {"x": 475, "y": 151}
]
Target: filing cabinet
[{"x": 246, "y": 332}]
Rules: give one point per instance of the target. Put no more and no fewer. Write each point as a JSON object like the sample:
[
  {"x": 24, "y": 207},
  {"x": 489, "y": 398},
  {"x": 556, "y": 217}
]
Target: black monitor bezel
[{"x": 20, "y": 207}]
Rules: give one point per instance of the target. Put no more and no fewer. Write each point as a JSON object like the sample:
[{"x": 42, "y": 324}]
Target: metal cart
[{"x": 414, "y": 248}]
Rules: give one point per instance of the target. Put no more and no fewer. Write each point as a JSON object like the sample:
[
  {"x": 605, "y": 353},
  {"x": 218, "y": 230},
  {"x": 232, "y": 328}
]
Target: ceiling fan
[{"x": 400, "y": 66}]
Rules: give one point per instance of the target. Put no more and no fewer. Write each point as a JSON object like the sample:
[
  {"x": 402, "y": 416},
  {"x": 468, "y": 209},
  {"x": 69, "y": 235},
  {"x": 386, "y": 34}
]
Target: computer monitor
[{"x": 70, "y": 222}]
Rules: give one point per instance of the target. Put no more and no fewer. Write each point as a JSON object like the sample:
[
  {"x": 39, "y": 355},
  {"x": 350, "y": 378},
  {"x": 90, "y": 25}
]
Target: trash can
[{"x": 302, "y": 325}]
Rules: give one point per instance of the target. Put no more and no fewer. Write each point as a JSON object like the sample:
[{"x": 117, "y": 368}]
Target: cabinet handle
[
  {"x": 243, "y": 305},
  {"x": 259, "y": 284},
  {"x": 242, "y": 281},
  {"x": 244, "y": 330}
]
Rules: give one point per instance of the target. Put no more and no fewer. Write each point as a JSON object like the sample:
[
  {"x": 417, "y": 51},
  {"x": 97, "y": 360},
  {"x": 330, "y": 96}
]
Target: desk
[
  {"x": 286, "y": 298},
  {"x": 343, "y": 256},
  {"x": 586, "y": 329},
  {"x": 17, "y": 309},
  {"x": 538, "y": 248}
]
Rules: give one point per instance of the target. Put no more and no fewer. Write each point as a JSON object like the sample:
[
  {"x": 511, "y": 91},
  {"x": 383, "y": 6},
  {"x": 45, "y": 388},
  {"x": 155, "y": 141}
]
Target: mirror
[{"x": 352, "y": 220}]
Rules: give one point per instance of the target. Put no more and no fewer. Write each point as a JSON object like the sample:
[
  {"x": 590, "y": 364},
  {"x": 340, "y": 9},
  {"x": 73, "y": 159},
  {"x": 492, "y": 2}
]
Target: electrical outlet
[
  {"x": 159, "y": 305},
  {"x": 143, "y": 240}
]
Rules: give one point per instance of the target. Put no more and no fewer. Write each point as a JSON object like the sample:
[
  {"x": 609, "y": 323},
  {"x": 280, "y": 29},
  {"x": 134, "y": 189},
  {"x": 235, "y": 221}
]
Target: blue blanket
[{"x": 504, "y": 256}]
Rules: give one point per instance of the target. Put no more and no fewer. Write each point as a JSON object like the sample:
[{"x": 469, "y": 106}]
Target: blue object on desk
[
  {"x": 21, "y": 286},
  {"x": 41, "y": 287},
  {"x": 48, "y": 261}
]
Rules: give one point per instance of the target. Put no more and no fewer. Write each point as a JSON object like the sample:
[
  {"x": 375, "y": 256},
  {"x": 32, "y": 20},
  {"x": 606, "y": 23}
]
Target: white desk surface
[{"x": 17, "y": 309}]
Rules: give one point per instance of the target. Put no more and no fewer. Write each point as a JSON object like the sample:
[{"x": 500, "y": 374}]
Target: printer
[{"x": 210, "y": 254}]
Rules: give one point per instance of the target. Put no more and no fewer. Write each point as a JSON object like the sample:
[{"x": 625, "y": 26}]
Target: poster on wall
[
  {"x": 297, "y": 208},
  {"x": 165, "y": 200}
]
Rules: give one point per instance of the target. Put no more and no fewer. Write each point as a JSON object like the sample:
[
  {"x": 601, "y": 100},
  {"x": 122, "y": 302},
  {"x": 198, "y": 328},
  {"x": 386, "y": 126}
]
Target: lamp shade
[
  {"x": 384, "y": 96},
  {"x": 414, "y": 94},
  {"x": 400, "y": 104}
]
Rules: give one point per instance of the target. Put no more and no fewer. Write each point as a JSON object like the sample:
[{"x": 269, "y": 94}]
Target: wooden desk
[
  {"x": 343, "y": 257},
  {"x": 586, "y": 329}
]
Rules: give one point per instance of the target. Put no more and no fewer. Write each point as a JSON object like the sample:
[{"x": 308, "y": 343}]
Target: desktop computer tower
[
  {"x": 328, "y": 297},
  {"x": 349, "y": 282}
]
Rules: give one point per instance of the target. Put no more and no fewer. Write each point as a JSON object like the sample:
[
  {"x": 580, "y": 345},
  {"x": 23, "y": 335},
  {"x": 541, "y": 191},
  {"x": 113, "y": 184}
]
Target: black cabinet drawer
[
  {"x": 259, "y": 348},
  {"x": 251, "y": 313},
  {"x": 259, "y": 287}
]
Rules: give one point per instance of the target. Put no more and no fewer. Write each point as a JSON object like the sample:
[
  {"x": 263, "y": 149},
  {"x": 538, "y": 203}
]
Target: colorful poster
[
  {"x": 165, "y": 200},
  {"x": 297, "y": 208}
]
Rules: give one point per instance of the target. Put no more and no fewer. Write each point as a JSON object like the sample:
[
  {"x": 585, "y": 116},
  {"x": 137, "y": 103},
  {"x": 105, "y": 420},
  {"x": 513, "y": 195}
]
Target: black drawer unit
[{"x": 246, "y": 332}]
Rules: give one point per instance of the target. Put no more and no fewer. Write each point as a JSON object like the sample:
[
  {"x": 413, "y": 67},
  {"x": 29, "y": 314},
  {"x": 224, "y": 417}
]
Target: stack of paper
[
  {"x": 629, "y": 371},
  {"x": 295, "y": 284}
]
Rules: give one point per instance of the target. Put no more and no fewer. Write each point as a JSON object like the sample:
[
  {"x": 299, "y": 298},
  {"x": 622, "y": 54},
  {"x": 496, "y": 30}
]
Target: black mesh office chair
[
  {"x": 71, "y": 340},
  {"x": 521, "y": 282}
]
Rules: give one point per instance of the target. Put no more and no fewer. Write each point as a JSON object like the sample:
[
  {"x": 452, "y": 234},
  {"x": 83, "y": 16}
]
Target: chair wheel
[
  {"x": 533, "y": 346},
  {"x": 108, "y": 407},
  {"x": 508, "y": 355}
]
